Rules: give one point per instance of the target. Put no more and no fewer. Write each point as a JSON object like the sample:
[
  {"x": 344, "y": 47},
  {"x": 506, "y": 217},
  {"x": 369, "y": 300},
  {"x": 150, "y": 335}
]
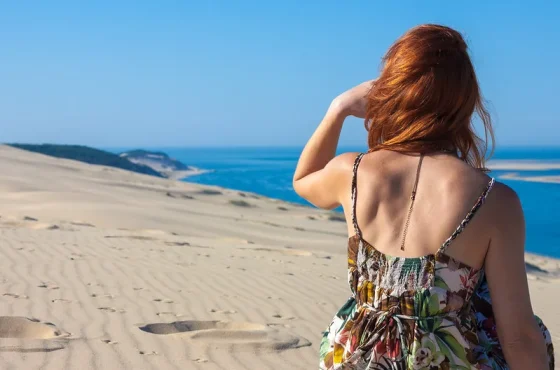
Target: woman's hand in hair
[{"x": 353, "y": 102}]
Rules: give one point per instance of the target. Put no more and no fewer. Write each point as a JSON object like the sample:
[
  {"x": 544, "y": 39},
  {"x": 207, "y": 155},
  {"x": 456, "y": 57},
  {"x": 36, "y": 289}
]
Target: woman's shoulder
[
  {"x": 344, "y": 161},
  {"x": 506, "y": 206},
  {"x": 369, "y": 162},
  {"x": 504, "y": 192}
]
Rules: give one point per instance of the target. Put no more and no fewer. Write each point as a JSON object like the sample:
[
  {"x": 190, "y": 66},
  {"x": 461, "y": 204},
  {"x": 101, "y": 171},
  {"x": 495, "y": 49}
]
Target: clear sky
[{"x": 244, "y": 73}]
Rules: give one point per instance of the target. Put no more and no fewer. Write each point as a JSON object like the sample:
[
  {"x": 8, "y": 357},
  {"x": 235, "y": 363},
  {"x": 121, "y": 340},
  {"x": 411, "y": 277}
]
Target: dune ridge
[{"x": 107, "y": 269}]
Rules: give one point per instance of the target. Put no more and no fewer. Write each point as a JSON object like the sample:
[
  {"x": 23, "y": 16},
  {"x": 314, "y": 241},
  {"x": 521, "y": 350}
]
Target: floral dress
[{"x": 428, "y": 313}]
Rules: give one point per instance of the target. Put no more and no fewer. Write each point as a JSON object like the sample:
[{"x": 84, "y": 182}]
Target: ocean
[{"x": 268, "y": 171}]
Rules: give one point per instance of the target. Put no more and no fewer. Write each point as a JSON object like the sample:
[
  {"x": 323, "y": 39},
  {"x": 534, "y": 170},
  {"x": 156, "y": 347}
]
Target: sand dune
[{"x": 105, "y": 269}]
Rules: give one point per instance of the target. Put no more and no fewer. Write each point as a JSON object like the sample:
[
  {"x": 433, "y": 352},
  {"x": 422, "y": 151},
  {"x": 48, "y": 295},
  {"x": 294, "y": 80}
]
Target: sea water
[{"x": 269, "y": 171}]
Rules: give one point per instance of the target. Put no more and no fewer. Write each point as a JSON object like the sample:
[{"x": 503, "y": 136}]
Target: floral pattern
[
  {"x": 448, "y": 325},
  {"x": 425, "y": 313}
]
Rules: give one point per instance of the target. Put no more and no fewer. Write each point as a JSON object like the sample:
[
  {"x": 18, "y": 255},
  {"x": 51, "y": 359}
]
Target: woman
[{"x": 420, "y": 271}]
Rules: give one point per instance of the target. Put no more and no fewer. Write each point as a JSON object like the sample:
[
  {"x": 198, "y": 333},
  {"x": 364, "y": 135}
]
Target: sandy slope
[{"x": 105, "y": 269}]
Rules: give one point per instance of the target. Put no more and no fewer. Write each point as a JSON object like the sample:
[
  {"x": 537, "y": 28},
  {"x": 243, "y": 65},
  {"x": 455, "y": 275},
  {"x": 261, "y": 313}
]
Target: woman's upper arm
[
  {"x": 326, "y": 187},
  {"x": 505, "y": 270}
]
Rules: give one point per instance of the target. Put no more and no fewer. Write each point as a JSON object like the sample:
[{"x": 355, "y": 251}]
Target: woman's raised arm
[{"x": 320, "y": 176}]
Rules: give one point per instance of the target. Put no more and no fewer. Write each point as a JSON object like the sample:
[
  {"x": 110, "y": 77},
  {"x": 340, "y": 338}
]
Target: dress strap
[
  {"x": 355, "y": 194},
  {"x": 468, "y": 218},
  {"x": 412, "y": 198}
]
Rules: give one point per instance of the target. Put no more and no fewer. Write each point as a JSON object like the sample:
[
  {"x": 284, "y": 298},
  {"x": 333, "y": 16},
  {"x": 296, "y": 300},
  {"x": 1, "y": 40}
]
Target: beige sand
[{"x": 106, "y": 269}]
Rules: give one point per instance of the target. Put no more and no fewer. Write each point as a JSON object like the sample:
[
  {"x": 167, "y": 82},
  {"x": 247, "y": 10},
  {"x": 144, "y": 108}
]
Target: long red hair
[{"x": 425, "y": 98}]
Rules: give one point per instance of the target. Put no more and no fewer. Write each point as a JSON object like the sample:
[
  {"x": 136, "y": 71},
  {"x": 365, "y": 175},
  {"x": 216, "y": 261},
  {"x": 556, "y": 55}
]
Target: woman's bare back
[{"x": 447, "y": 189}]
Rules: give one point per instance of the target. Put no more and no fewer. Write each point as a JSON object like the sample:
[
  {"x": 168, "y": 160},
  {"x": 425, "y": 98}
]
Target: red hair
[{"x": 425, "y": 97}]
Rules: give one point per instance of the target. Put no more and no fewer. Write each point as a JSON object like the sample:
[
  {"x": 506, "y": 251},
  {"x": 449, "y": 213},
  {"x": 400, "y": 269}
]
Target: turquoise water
[{"x": 268, "y": 171}]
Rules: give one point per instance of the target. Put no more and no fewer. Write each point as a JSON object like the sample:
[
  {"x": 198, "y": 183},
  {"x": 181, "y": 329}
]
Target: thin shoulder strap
[
  {"x": 355, "y": 194},
  {"x": 468, "y": 218}
]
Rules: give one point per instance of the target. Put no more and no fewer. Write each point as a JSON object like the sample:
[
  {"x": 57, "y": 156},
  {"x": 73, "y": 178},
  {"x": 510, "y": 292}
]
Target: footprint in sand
[
  {"x": 163, "y": 300},
  {"x": 178, "y": 244},
  {"x": 84, "y": 224},
  {"x": 26, "y": 328},
  {"x": 209, "y": 192},
  {"x": 17, "y": 296},
  {"x": 278, "y": 325},
  {"x": 111, "y": 309},
  {"x": 41, "y": 226},
  {"x": 150, "y": 353},
  {"x": 62, "y": 300},
  {"x": 134, "y": 237},
  {"x": 281, "y": 261},
  {"x": 76, "y": 256},
  {"x": 200, "y": 360},
  {"x": 278, "y": 316},
  {"x": 169, "y": 314},
  {"x": 184, "y": 196},
  {"x": 110, "y": 296},
  {"x": 186, "y": 244},
  {"x": 270, "y": 224},
  {"x": 225, "y": 312},
  {"x": 287, "y": 251},
  {"x": 535, "y": 270},
  {"x": 240, "y": 334},
  {"x": 48, "y": 285}
]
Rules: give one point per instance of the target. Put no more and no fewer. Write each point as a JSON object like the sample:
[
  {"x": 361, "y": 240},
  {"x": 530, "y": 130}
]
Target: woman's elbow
[
  {"x": 298, "y": 187},
  {"x": 317, "y": 198},
  {"x": 525, "y": 346}
]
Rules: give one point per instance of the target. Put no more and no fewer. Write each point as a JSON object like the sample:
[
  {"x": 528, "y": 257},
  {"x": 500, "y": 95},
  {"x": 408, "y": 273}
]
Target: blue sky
[{"x": 244, "y": 73}]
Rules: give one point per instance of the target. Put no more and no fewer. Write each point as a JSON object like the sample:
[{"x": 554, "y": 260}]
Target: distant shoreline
[
  {"x": 522, "y": 165},
  {"x": 541, "y": 179},
  {"x": 181, "y": 175},
  {"x": 157, "y": 164},
  {"x": 518, "y": 166}
]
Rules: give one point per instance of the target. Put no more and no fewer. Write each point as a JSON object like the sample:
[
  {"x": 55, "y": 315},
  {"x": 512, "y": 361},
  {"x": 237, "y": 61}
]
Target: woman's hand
[
  {"x": 353, "y": 102},
  {"x": 320, "y": 177}
]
